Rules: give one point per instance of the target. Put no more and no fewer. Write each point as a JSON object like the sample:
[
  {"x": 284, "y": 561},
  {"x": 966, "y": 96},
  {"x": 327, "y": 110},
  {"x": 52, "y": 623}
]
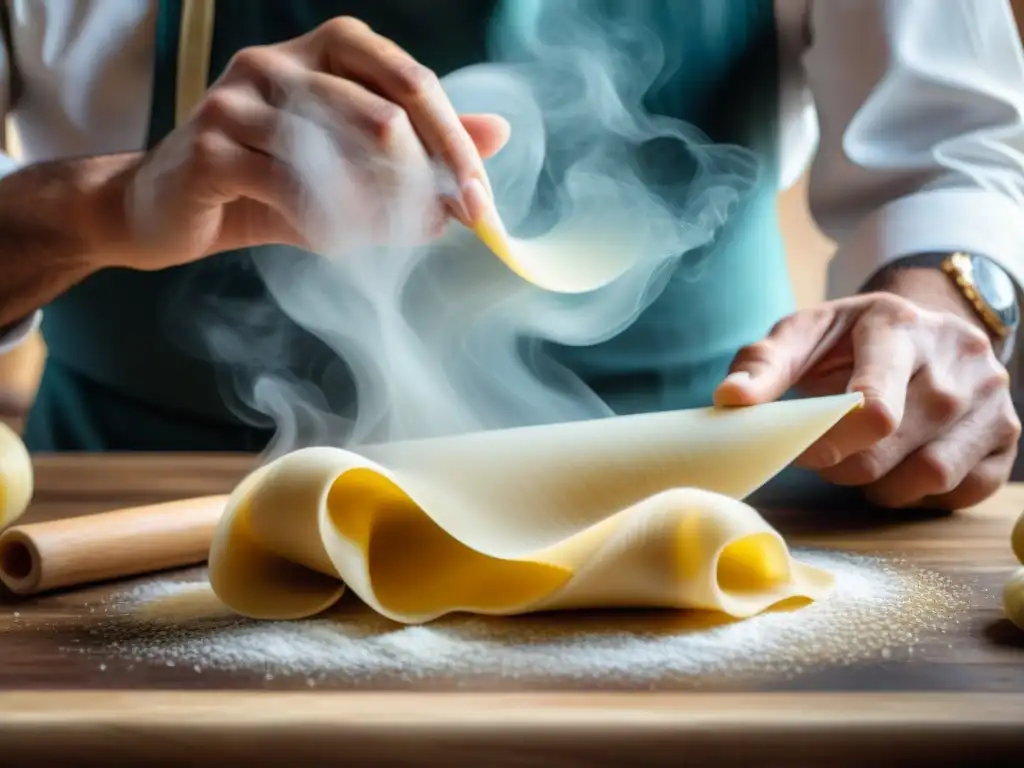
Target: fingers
[
  {"x": 239, "y": 112},
  {"x": 867, "y": 446},
  {"x": 766, "y": 370},
  {"x": 884, "y": 358},
  {"x": 240, "y": 153},
  {"x": 489, "y": 133},
  {"x": 255, "y": 100},
  {"x": 379, "y": 152},
  {"x": 349, "y": 48},
  {"x": 932, "y": 408},
  {"x": 980, "y": 483},
  {"x": 965, "y": 464},
  {"x": 885, "y": 353},
  {"x": 222, "y": 171},
  {"x": 365, "y": 79}
]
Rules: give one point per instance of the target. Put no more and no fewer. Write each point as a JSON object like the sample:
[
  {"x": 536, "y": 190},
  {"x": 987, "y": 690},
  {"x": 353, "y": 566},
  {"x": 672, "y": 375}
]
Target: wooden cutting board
[{"x": 959, "y": 696}]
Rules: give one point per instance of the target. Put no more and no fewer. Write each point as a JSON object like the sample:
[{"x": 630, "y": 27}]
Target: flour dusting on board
[{"x": 879, "y": 608}]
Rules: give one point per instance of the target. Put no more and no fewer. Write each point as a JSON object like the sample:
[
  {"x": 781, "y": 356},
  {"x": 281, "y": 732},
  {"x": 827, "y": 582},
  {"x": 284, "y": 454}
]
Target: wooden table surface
[{"x": 959, "y": 696}]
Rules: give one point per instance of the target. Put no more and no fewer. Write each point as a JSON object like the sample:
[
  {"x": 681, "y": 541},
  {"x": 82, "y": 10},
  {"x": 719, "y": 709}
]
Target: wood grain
[
  {"x": 960, "y": 696},
  {"x": 513, "y": 730}
]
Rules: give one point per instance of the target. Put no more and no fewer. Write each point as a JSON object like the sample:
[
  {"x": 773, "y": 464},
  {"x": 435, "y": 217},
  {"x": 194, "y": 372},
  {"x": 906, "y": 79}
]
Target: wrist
[
  {"x": 99, "y": 209},
  {"x": 971, "y": 287},
  {"x": 928, "y": 288},
  {"x": 58, "y": 222}
]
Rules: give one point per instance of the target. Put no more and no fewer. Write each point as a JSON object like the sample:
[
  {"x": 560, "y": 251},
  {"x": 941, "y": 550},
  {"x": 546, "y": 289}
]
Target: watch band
[{"x": 959, "y": 269}]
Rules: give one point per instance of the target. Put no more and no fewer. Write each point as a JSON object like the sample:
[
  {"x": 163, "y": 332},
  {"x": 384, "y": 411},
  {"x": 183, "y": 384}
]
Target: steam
[{"x": 442, "y": 338}]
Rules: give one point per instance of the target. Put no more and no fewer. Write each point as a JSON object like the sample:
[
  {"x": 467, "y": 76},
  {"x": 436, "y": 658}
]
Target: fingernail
[
  {"x": 739, "y": 378},
  {"x": 475, "y": 199}
]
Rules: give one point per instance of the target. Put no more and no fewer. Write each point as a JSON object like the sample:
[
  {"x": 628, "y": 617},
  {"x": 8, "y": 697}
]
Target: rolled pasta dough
[{"x": 637, "y": 511}]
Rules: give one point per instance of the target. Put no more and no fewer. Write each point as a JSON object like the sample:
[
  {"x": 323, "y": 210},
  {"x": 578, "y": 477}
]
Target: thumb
[
  {"x": 766, "y": 370},
  {"x": 489, "y": 132}
]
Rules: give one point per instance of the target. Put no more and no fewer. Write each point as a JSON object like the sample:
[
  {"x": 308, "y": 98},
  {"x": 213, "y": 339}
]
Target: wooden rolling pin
[{"x": 80, "y": 550}]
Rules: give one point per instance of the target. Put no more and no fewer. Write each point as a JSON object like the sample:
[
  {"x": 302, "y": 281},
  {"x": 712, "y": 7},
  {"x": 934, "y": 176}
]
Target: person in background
[{"x": 911, "y": 113}]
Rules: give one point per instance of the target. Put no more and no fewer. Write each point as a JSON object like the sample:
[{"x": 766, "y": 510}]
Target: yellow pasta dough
[
  {"x": 16, "y": 476},
  {"x": 573, "y": 259},
  {"x": 1013, "y": 598},
  {"x": 631, "y": 511},
  {"x": 1017, "y": 539}
]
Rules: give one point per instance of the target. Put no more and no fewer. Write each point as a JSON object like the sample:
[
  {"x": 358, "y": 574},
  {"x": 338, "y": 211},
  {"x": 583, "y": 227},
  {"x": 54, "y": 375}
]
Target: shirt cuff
[
  {"x": 7, "y": 165},
  {"x": 12, "y": 336},
  {"x": 976, "y": 221}
]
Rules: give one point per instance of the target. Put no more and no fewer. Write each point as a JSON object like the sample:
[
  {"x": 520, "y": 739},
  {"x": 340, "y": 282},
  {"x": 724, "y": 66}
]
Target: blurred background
[{"x": 807, "y": 248}]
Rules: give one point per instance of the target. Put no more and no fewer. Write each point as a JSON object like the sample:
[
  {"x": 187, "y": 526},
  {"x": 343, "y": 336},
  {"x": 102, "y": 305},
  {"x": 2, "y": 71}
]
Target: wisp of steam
[{"x": 440, "y": 337}]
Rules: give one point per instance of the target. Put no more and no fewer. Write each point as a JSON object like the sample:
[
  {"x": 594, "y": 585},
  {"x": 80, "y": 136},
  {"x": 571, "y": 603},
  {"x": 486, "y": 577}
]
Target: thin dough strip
[{"x": 639, "y": 511}]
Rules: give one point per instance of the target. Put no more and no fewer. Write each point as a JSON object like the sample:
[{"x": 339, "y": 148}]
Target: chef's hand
[
  {"x": 938, "y": 427},
  {"x": 219, "y": 181}
]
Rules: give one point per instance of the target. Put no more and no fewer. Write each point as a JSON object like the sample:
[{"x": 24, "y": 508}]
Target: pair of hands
[{"x": 938, "y": 426}]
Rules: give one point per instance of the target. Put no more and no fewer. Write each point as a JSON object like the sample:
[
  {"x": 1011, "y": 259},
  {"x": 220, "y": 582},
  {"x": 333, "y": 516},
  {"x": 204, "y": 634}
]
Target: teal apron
[{"x": 127, "y": 370}]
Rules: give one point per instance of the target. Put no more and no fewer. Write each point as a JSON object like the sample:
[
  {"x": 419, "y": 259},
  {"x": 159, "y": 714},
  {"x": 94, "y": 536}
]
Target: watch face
[{"x": 995, "y": 286}]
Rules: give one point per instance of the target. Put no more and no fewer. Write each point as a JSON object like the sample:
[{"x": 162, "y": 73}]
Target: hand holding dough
[
  {"x": 16, "y": 476},
  {"x": 637, "y": 511}
]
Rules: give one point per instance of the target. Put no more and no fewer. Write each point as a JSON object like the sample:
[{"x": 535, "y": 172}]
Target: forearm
[{"x": 55, "y": 225}]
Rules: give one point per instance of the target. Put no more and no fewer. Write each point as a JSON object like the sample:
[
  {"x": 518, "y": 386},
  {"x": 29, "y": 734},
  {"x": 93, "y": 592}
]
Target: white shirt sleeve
[
  {"x": 921, "y": 111},
  {"x": 13, "y": 335},
  {"x": 7, "y": 163}
]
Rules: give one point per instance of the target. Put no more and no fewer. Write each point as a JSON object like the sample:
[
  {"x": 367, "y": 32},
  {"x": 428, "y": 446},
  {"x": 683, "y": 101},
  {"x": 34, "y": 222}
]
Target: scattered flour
[{"x": 879, "y": 608}]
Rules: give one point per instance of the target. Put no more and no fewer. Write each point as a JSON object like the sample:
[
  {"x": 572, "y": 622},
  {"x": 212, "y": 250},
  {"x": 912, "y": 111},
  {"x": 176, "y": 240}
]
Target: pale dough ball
[
  {"x": 1017, "y": 539},
  {"x": 1013, "y": 598},
  {"x": 16, "y": 476}
]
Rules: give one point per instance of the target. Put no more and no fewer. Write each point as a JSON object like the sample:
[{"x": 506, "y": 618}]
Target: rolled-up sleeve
[
  {"x": 13, "y": 335},
  {"x": 920, "y": 106}
]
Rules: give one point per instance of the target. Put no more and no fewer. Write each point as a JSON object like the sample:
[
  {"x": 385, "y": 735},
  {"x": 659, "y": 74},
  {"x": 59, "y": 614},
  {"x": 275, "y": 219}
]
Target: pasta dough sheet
[{"x": 631, "y": 511}]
